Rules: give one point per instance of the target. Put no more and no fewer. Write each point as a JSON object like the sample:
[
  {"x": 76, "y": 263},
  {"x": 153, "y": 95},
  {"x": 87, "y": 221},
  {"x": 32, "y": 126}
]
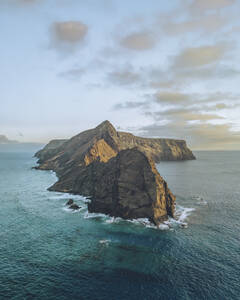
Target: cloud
[
  {"x": 171, "y": 97},
  {"x": 214, "y": 100},
  {"x": 220, "y": 106},
  {"x": 209, "y": 72},
  {"x": 177, "y": 78},
  {"x": 181, "y": 106},
  {"x": 198, "y": 136},
  {"x": 189, "y": 66},
  {"x": 67, "y": 35},
  {"x": 139, "y": 41},
  {"x": 190, "y": 114},
  {"x": 70, "y": 32},
  {"x": 199, "y": 56},
  {"x": 207, "y": 5},
  {"x": 74, "y": 73},
  {"x": 208, "y": 23},
  {"x": 130, "y": 105},
  {"x": 124, "y": 77},
  {"x": 209, "y": 136}
]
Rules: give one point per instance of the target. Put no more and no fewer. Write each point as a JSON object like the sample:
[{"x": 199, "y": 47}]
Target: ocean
[{"x": 49, "y": 252}]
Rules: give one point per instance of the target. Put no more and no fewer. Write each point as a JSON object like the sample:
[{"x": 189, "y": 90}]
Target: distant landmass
[{"x": 5, "y": 140}]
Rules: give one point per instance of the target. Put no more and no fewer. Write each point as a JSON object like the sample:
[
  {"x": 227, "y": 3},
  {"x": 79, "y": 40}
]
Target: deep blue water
[{"x": 47, "y": 252}]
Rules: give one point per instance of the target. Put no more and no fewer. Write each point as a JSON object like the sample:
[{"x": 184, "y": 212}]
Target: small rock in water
[
  {"x": 70, "y": 202},
  {"x": 184, "y": 225},
  {"x": 74, "y": 206}
]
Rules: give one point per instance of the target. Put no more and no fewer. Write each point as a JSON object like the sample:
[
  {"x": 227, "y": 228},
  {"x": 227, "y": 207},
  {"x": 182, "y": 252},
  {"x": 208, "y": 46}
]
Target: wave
[
  {"x": 67, "y": 196},
  {"x": 89, "y": 215},
  {"x": 199, "y": 200},
  {"x": 182, "y": 213},
  {"x": 106, "y": 242}
]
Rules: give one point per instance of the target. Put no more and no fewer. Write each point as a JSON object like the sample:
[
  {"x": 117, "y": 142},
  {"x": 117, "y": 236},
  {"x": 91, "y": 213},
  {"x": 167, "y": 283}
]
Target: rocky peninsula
[{"x": 116, "y": 170}]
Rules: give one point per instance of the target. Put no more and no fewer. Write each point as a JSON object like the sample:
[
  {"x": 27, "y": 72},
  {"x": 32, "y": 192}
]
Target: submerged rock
[
  {"x": 74, "y": 206},
  {"x": 70, "y": 202}
]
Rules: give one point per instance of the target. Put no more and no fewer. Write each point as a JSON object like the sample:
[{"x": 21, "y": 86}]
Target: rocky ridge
[{"x": 158, "y": 149}]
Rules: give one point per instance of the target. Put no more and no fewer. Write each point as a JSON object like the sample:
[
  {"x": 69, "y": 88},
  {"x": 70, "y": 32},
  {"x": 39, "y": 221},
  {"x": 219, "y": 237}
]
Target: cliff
[
  {"x": 158, "y": 149},
  {"x": 127, "y": 185},
  {"x": 130, "y": 187}
]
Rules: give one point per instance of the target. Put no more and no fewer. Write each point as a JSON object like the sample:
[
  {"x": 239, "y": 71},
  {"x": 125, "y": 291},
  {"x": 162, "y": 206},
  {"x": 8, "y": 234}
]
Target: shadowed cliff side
[{"x": 49, "y": 150}]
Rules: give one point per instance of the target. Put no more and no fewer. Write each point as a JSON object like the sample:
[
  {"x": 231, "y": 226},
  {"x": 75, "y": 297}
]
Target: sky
[{"x": 154, "y": 68}]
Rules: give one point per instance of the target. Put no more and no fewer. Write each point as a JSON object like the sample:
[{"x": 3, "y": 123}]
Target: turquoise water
[{"x": 48, "y": 252}]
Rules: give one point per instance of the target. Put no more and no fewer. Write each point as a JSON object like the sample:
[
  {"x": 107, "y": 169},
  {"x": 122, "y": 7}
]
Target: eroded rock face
[
  {"x": 128, "y": 186},
  {"x": 100, "y": 151}
]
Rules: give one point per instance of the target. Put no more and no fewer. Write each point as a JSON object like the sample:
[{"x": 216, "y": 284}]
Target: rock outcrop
[
  {"x": 70, "y": 202},
  {"x": 127, "y": 186},
  {"x": 115, "y": 170}
]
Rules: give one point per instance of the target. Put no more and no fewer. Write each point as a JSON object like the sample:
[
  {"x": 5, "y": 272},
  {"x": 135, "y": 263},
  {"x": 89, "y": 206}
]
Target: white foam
[
  {"x": 106, "y": 242},
  {"x": 181, "y": 215},
  {"x": 89, "y": 215},
  {"x": 111, "y": 220},
  {"x": 69, "y": 210},
  {"x": 67, "y": 196},
  {"x": 145, "y": 222},
  {"x": 200, "y": 200},
  {"x": 163, "y": 226}
]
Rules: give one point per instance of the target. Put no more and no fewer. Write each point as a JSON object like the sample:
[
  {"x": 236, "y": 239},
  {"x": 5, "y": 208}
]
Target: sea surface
[{"x": 49, "y": 252}]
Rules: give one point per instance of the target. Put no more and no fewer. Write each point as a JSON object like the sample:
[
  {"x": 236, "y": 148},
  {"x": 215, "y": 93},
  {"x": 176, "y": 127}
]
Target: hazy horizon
[{"x": 155, "y": 69}]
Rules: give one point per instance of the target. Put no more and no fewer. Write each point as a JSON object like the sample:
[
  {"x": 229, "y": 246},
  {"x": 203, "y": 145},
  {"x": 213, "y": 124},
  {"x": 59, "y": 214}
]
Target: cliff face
[
  {"x": 115, "y": 170},
  {"x": 158, "y": 149},
  {"x": 127, "y": 185}
]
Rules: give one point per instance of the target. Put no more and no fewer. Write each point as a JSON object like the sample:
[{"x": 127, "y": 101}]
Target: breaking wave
[{"x": 182, "y": 214}]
